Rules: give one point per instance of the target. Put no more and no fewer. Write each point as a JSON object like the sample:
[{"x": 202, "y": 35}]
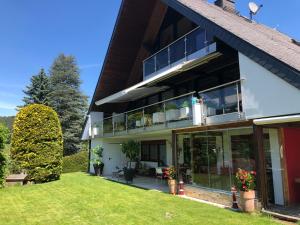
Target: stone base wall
[{"x": 213, "y": 196}]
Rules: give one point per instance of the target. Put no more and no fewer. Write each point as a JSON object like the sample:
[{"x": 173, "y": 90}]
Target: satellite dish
[{"x": 254, "y": 8}]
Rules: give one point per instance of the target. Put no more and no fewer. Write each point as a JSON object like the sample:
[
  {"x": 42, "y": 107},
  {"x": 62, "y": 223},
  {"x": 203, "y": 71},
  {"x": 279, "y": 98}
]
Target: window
[{"x": 154, "y": 151}]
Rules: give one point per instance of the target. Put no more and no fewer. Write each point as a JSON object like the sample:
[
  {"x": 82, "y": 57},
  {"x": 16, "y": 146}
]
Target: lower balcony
[{"x": 215, "y": 105}]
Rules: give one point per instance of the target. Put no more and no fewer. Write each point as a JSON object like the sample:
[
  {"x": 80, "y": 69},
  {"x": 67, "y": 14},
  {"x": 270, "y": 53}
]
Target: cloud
[
  {"x": 5, "y": 105},
  {"x": 87, "y": 66}
]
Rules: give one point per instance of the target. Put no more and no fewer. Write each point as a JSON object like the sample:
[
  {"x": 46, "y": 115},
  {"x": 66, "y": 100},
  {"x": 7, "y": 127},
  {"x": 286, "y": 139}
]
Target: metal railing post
[
  {"x": 238, "y": 99},
  {"x": 155, "y": 66},
  {"x": 126, "y": 122},
  {"x": 143, "y": 118},
  {"x": 164, "y": 106}
]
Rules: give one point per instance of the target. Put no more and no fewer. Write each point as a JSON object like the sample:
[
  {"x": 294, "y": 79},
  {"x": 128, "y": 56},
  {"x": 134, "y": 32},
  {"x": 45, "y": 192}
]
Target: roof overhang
[{"x": 147, "y": 87}]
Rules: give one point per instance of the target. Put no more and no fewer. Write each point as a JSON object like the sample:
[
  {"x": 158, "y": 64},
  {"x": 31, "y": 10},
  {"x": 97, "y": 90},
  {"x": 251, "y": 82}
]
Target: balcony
[
  {"x": 192, "y": 46},
  {"x": 219, "y": 104},
  {"x": 222, "y": 103}
]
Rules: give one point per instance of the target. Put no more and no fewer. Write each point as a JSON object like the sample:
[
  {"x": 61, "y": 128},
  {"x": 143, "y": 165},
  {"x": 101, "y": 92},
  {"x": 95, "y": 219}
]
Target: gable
[{"x": 281, "y": 59}]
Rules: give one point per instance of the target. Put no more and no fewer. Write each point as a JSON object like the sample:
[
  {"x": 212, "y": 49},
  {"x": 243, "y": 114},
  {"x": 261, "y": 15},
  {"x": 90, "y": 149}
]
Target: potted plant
[
  {"x": 184, "y": 110},
  {"x": 172, "y": 113},
  {"x": 245, "y": 181},
  {"x": 131, "y": 150},
  {"x": 171, "y": 175},
  {"x": 97, "y": 161}
]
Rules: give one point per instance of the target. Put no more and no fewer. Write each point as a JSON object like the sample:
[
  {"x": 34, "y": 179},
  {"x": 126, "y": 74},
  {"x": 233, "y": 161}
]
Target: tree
[
  {"x": 68, "y": 101},
  {"x": 37, "y": 144},
  {"x": 38, "y": 90},
  {"x": 4, "y": 134}
]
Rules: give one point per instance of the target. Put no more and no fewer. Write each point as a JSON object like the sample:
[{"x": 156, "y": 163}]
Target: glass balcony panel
[
  {"x": 120, "y": 122},
  {"x": 221, "y": 100},
  {"x": 195, "y": 41},
  {"x": 108, "y": 125},
  {"x": 149, "y": 66},
  {"x": 134, "y": 119},
  {"x": 162, "y": 59},
  {"x": 177, "y": 51}
]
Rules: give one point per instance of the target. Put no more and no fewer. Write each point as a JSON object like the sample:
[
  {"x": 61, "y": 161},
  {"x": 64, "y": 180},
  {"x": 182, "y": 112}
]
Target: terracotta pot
[
  {"x": 172, "y": 186},
  {"x": 247, "y": 201}
]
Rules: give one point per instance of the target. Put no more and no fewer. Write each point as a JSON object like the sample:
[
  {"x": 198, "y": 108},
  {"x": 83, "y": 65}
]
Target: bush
[
  {"x": 4, "y": 134},
  {"x": 37, "y": 145},
  {"x": 77, "y": 162}
]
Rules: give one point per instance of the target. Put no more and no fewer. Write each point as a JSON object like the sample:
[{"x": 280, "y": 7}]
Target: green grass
[{"x": 82, "y": 199}]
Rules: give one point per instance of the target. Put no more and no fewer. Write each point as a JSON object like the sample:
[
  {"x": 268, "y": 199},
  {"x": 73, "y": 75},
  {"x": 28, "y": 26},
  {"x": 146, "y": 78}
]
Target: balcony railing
[
  {"x": 223, "y": 99},
  {"x": 176, "y": 112},
  {"x": 179, "y": 50},
  {"x": 158, "y": 115}
]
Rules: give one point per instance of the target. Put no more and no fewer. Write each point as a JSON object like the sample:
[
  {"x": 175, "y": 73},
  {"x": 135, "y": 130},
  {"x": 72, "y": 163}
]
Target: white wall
[
  {"x": 112, "y": 155},
  {"x": 264, "y": 94}
]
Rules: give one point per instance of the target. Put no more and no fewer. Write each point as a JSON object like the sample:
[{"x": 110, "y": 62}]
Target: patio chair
[
  {"x": 159, "y": 174},
  {"x": 118, "y": 173}
]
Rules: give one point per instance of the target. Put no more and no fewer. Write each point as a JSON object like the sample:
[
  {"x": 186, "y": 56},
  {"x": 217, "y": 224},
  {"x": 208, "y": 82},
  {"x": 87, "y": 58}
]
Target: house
[{"x": 205, "y": 89}]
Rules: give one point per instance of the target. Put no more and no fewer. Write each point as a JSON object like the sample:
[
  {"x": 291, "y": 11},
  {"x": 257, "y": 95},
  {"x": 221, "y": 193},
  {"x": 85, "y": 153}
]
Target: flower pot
[
  {"x": 247, "y": 201},
  {"x": 172, "y": 186},
  {"x": 97, "y": 169},
  {"x": 159, "y": 117},
  {"x": 172, "y": 114},
  {"x": 101, "y": 169},
  {"x": 184, "y": 112}
]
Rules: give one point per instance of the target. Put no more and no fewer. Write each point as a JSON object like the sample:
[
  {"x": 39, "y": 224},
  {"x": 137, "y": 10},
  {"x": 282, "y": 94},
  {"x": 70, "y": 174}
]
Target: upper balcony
[
  {"x": 194, "y": 45},
  {"x": 219, "y": 104}
]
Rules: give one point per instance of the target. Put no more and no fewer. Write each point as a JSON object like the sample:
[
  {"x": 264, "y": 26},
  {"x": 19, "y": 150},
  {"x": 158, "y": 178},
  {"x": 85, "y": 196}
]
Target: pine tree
[
  {"x": 38, "y": 90},
  {"x": 68, "y": 101}
]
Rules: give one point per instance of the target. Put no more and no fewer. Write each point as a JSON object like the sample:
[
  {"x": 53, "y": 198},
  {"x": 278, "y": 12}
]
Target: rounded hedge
[{"x": 37, "y": 145}]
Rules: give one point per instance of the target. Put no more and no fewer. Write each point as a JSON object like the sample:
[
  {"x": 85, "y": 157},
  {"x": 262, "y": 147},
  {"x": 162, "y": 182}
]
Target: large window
[
  {"x": 215, "y": 156},
  {"x": 154, "y": 151}
]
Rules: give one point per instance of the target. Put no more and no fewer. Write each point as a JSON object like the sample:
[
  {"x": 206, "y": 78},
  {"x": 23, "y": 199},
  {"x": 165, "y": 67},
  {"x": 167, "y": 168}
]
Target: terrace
[{"x": 219, "y": 104}]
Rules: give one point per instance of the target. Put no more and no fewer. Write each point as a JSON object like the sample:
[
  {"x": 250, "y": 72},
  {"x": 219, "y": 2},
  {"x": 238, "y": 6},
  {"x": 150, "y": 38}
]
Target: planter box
[
  {"x": 158, "y": 117},
  {"x": 184, "y": 113},
  {"x": 96, "y": 131},
  {"x": 172, "y": 114}
]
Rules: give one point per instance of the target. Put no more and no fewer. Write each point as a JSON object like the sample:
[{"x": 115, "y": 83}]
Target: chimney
[{"x": 227, "y": 5}]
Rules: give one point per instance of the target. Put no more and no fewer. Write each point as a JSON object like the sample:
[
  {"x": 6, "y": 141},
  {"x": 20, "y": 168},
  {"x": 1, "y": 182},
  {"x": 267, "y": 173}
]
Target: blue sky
[{"x": 34, "y": 32}]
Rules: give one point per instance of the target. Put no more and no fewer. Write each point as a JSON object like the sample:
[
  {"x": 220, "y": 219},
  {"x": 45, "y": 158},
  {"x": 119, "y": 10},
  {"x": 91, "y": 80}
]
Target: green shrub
[
  {"x": 4, "y": 134},
  {"x": 75, "y": 163},
  {"x": 37, "y": 145}
]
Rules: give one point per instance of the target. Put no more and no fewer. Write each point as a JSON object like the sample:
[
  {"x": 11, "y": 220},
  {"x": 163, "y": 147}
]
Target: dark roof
[
  {"x": 268, "y": 47},
  {"x": 124, "y": 45}
]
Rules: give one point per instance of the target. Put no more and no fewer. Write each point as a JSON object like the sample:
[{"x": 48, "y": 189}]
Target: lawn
[{"x": 79, "y": 198}]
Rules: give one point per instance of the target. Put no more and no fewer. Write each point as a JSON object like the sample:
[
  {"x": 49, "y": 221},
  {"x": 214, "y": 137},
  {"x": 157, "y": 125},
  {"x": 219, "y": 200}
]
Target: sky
[{"x": 34, "y": 32}]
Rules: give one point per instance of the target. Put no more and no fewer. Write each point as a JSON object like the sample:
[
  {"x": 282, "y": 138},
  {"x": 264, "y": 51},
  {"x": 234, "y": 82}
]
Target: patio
[{"x": 148, "y": 183}]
